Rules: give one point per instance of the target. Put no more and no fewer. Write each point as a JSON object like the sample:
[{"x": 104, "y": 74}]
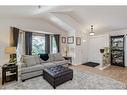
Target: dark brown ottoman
[{"x": 57, "y": 75}]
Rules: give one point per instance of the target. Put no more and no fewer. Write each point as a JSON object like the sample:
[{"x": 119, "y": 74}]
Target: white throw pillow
[
  {"x": 51, "y": 58},
  {"x": 37, "y": 59},
  {"x": 23, "y": 64},
  {"x": 58, "y": 57},
  {"x": 29, "y": 60}
]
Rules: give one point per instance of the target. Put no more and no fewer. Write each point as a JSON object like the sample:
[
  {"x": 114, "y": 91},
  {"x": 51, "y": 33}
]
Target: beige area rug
[{"x": 81, "y": 80}]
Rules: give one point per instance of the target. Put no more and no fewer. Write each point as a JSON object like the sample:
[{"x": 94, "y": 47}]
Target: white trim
[{"x": 102, "y": 68}]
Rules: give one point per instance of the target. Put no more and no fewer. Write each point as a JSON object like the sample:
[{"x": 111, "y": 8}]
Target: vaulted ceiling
[{"x": 104, "y": 18}]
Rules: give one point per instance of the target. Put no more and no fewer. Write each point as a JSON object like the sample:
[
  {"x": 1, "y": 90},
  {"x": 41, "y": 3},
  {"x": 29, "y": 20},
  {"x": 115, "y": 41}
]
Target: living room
[{"x": 66, "y": 38}]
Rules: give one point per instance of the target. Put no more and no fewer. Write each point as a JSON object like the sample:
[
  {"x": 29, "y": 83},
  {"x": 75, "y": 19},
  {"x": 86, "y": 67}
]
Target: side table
[
  {"x": 9, "y": 73},
  {"x": 68, "y": 58}
]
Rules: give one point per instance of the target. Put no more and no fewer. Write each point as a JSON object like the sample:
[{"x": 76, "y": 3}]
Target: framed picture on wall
[
  {"x": 70, "y": 40},
  {"x": 78, "y": 41},
  {"x": 63, "y": 39}
]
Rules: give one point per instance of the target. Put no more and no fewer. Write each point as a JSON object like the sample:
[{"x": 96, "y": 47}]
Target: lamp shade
[
  {"x": 91, "y": 33},
  {"x": 10, "y": 50}
]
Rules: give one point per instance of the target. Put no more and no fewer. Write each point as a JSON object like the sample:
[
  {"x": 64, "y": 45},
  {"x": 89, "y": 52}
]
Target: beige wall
[{"x": 24, "y": 24}]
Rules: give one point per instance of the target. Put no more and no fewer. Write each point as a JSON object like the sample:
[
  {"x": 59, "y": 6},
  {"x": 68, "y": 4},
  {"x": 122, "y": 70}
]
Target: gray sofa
[{"x": 33, "y": 65}]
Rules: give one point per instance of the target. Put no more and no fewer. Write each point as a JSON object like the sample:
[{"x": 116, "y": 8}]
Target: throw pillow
[
  {"x": 29, "y": 60},
  {"x": 44, "y": 57},
  {"x": 51, "y": 57},
  {"x": 23, "y": 64},
  {"x": 37, "y": 59},
  {"x": 58, "y": 57}
]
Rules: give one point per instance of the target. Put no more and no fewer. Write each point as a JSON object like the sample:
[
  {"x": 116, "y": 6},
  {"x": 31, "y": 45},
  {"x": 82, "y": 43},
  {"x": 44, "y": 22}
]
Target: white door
[{"x": 95, "y": 44}]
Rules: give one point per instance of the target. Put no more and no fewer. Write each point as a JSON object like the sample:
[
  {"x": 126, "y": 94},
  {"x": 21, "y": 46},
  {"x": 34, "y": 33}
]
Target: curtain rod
[{"x": 32, "y": 31}]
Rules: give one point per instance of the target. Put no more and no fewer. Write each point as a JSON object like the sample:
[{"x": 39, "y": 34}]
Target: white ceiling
[{"x": 104, "y": 18}]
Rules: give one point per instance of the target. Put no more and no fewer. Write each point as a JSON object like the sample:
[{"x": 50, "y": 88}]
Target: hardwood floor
[{"x": 114, "y": 72}]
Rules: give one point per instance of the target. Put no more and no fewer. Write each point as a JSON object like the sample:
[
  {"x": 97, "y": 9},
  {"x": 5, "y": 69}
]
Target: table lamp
[{"x": 12, "y": 52}]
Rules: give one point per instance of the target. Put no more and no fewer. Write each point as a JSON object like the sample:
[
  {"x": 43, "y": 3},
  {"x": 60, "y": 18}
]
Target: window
[
  {"x": 53, "y": 45},
  {"x": 38, "y": 44}
]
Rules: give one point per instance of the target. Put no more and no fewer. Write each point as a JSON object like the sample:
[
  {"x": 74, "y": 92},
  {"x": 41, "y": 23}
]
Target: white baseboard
[
  {"x": 102, "y": 68},
  {"x": 76, "y": 64}
]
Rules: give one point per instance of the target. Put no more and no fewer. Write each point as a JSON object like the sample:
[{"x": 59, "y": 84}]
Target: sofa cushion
[
  {"x": 42, "y": 61},
  {"x": 31, "y": 69},
  {"x": 23, "y": 56},
  {"x": 63, "y": 62},
  {"x": 37, "y": 59},
  {"x": 51, "y": 58},
  {"x": 44, "y": 57},
  {"x": 48, "y": 64},
  {"x": 58, "y": 57},
  {"x": 29, "y": 60},
  {"x": 23, "y": 64}
]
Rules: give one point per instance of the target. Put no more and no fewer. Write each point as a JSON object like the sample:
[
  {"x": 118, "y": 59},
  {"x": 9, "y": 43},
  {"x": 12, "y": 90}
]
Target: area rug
[{"x": 81, "y": 80}]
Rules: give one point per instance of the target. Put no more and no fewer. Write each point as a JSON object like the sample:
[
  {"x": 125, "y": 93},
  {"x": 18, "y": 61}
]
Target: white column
[{"x": 101, "y": 62}]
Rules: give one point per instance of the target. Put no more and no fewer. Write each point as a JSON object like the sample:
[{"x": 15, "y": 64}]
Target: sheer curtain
[
  {"x": 57, "y": 40},
  {"x": 20, "y": 46}
]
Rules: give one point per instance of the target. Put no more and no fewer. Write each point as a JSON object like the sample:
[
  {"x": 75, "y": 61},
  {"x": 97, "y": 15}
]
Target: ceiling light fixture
[
  {"x": 39, "y": 6},
  {"x": 91, "y": 33}
]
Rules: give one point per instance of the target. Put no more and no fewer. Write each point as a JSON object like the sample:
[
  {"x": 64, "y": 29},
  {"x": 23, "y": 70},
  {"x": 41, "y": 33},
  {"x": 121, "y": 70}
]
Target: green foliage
[
  {"x": 38, "y": 45},
  {"x": 13, "y": 60}
]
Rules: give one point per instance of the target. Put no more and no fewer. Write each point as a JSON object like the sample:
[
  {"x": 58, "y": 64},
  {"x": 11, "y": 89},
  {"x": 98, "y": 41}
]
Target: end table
[
  {"x": 68, "y": 58},
  {"x": 9, "y": 73}
]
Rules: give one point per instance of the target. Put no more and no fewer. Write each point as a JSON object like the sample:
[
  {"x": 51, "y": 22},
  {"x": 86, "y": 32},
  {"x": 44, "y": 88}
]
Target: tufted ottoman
[{"x": 57, "y": 75}]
